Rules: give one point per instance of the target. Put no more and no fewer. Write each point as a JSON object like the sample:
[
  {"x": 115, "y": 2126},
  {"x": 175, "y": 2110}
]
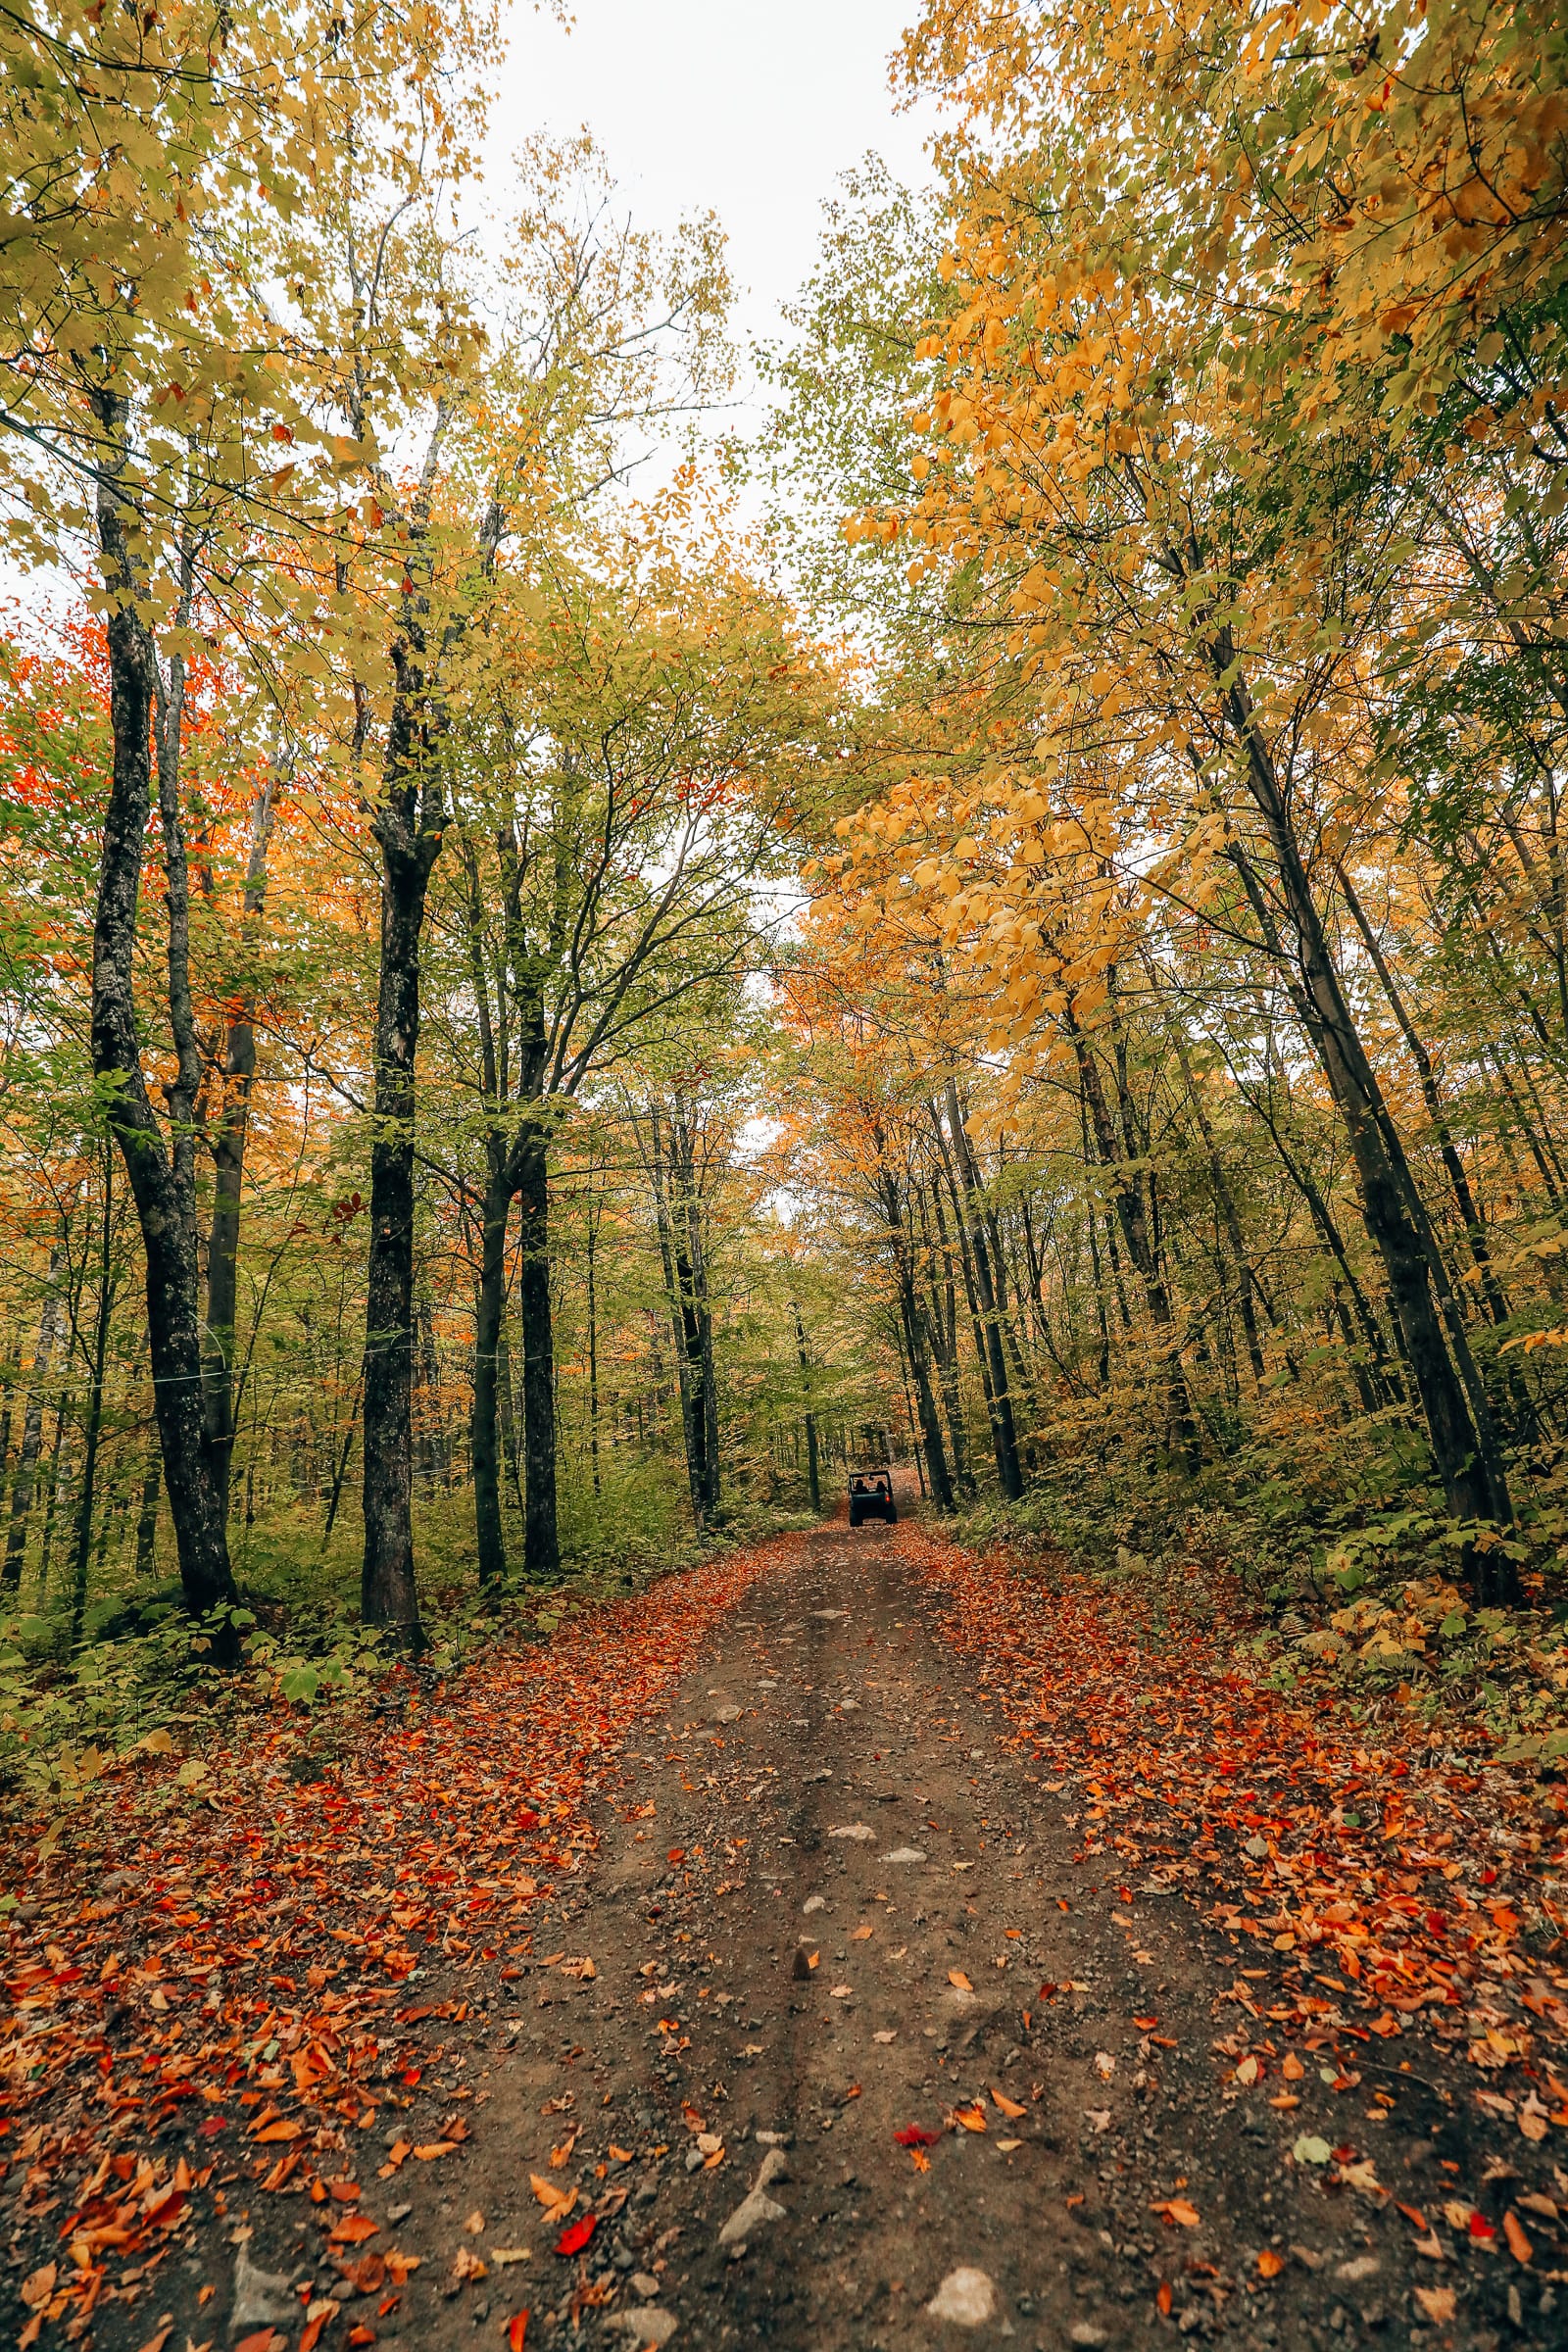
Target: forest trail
[{"x": 995, "y": 2100}]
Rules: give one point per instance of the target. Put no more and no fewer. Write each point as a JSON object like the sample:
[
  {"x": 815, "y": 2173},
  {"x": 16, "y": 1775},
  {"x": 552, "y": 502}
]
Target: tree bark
[
  {"x": 51, "y": 1330},
  {"x": 162, "y": 1179},
  {"x": 228, "y": 1159},
  {"x": 484, "y": 1423},
  {"x": 541, "y": 1542},
  {"x": 1006, "y": 1440},
  {"x": 814, "y": 1474}
]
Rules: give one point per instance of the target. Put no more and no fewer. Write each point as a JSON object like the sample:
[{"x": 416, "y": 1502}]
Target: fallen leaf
[
  {"x": 1311, "y": 2149},
  {"x": 916, "y": 2136},
  {"x": 556, "y": 2201},
  {"x": 517, "y": 2330},
  {"x": 1519, "y": 2245},
  {"x": 1010, "y": 2107},
  {"x": 573, "y": 2239},
  {"x": 859, "y": 1934},
  {"x": 956, "y": 1976},
  {"x": 1438, "y": 2302},
  {"x": 1177, "y": 2212},
  {"x": 973, "y": 2118},
  {"x": 39, "y": 2286},
  {"x": 1163, "y": 2298},
  {"x": 1270, "y": 2264},
  {"x": 351, "y": 2229}
]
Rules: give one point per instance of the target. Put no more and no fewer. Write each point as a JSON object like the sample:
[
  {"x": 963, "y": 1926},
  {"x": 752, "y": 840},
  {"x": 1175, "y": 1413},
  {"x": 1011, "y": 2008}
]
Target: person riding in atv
[{"x": 871, "y": 1496}]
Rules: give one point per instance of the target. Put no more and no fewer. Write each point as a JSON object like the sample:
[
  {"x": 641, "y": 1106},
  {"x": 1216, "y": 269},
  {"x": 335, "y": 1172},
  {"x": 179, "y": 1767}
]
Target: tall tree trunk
[
  {"x": 162, "y": 1179},
  {"x": 593, "y": 1349},
  {"x": 914, "y": 1337},
  {"x": 95, "y": 1407},
  {"x": 1131, "y": 1213},
  {"x": 228, "y": 1159},
  {"x": 490, "y": 1309},
  {"x": 1465, "y": 1199},
  {"x": 1464, "y": 1451},
  {"x": 51, "y": 1330},
  {"x": 1004, "y": 1436},
  {"x": 813, "y": 1475},
  {"x": 541, "y": 1540},
  {"x": 152, "y": 1486},
  {"x": 388, "y": 1595},
  {"x": 1225, "y": 1202}
]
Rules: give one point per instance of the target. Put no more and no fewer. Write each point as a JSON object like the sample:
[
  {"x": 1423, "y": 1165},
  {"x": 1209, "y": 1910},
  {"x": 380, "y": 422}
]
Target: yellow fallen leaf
[
  {"x": 1247, "y": 2071},
  {"x": 553, "y": 2200}
]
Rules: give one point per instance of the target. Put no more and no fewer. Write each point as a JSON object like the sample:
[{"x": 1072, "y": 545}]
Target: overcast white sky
[{"x": 750, "y": 108}]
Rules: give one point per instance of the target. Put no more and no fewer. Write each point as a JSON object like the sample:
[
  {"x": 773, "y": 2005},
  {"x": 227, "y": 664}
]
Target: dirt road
[{"x": 863, "y": 2058}]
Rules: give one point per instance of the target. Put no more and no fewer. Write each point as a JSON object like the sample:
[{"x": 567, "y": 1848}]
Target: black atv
[{"x": 871, "y": 1496}]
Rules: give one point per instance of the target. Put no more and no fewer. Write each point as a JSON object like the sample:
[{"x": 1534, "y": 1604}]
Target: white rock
[
  {"x": 861, "y": 1831},
  {"x": 775, "y": 2166},
  {"x": 261, "y": 2299},
  {"x": 650, "y": 2326},
  {"x": 830, "y": 1612},
  {"x": 728, "y": 1714},
  {"x": 1088, "y": 2333},
  {"x": 905, "y": 1853},
  {"x": 752, "y": 2213},
  {"x": 1361, "y": 2265},
  {"x": 772, "y": 2140},
  {"x": 848, "y": 1706},
  {"x": 815, "y": 1902},
  {"x": 966, "y": 2298}
]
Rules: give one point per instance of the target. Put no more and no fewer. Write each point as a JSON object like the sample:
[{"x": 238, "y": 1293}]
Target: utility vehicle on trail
[{"x": 871, "y": 1496}]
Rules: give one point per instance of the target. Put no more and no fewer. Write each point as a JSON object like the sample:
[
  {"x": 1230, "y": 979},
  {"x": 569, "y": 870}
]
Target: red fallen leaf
[
  {"x": 573, "y": 2239},
  {"x": 676, "y": 1853},
  {"x": 365, "y": 2275},
  {"x": 1436, "y": 1923},
  {"x": 1481, "y": 2228},
  {"x": 517, "y": 2330},
  {"x": 916, "y": 2136}
]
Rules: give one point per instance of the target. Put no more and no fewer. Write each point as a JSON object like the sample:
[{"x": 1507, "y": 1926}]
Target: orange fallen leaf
[
  {"x": 1292, "y": 2069},
  {"x": 1163, "y": 2298},
  {"x": 351, "y": 2229},
  {"x": 859, "y": 1934},
  {"x": 433, "y": 2148},
  {"x": 973, "y": 2118},
  {"x": 1177, "y": 2210},
  {"x": 517, "y": 2324},
  {"x": 956, "y": 1976},
  {"x": 1438, "y": 2302},
  {"x": 1519, "y": 2245},
  {"x": 1010, "y": 2107},
  {"x": 1270, "y": 2264},
  {"x": 622, "y": 2155}
]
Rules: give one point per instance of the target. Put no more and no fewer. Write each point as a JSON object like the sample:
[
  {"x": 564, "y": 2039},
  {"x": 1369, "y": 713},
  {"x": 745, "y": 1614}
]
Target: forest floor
[{"x": 853, "y": 1945}]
